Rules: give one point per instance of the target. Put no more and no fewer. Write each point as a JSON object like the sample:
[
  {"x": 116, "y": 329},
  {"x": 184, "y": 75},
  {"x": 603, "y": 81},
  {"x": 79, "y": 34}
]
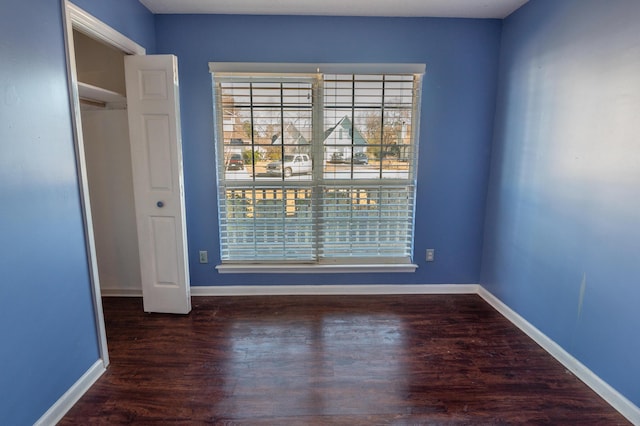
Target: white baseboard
[
  {"x": 121, "y": 292},
  {"x": 55, "y": 413},
  {"x": 602, "y": 388},
  {"x": 342, "y": 290}
]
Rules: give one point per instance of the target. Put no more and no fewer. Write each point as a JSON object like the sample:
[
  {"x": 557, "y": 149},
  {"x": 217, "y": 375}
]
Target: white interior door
[{"x": 156, "y": 155}]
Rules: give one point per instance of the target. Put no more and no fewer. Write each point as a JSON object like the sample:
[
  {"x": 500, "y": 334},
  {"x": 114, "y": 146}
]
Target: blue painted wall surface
[
  {"x": 456, "y": 128},
  {"x": 562, "y": 235},
  {"x": 47, "y": 324},
  {"x": 128, "y": 17}
]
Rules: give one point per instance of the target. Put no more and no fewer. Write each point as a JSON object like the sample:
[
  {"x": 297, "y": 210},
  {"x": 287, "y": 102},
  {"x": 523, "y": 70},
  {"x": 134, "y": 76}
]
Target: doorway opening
[
  {"x": 105, "y": 134},
  {"x": 95, "y": 58}
]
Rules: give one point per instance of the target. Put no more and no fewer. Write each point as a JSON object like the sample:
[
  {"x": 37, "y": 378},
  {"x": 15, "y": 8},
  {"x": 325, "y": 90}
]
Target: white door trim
[
  {"x": 76, "y": 18},
  {"x": 96, "y": 29}
]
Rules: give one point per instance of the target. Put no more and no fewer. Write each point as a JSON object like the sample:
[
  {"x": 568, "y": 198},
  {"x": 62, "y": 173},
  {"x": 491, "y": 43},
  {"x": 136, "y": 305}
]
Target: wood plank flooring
[{"x": 345, "y": 360}]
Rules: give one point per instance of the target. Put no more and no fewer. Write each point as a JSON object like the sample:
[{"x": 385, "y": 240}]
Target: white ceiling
[{"x": 418, "y": 8}]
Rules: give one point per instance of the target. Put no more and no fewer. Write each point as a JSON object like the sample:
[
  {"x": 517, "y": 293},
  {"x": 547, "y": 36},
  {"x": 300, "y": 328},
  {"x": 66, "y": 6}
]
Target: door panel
[
  {"x": 163, "y": 232},
  {"x": 156, "y": 153},
  {"x": 158, "y": 146}
]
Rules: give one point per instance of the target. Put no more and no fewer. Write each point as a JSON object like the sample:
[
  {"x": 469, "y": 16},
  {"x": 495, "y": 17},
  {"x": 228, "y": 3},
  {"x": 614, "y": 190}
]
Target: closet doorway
[
  {"x": 129, "y": 159},
  {"x": 105, "y": 131}
]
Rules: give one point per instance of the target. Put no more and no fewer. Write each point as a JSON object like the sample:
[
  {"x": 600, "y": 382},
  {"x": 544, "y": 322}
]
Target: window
[{"x": 316, "y": 166}]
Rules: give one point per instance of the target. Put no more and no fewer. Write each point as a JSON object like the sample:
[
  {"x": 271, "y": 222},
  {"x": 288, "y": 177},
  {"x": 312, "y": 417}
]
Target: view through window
[{"x": 316, "y": 167}]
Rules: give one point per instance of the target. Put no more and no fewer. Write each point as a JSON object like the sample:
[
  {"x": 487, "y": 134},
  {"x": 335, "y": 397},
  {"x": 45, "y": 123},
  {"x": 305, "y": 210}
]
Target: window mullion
[
  {"x": 253, "y": 144},
  {"x": 317, "y": 151},
  {"x": 353, "y": 121},
  {"x": 382, "y": 152},
  {"x": 254, "y": 220}
]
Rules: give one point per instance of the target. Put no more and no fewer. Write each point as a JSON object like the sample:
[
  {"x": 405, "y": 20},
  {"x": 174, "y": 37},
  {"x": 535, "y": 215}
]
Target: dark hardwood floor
[{"x": 347, "y": 360}]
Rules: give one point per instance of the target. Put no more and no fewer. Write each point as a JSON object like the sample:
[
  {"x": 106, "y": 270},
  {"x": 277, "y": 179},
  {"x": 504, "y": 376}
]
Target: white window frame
[{"x": 222, "y": 71}]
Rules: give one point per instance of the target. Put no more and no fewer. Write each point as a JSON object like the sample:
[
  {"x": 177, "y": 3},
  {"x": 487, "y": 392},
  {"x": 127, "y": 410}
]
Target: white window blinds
[{"x": 316, "y": 167}]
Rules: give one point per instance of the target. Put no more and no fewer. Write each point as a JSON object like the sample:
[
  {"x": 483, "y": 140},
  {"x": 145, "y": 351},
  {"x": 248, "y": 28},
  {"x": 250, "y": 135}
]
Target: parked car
[
  {"x": 291, "y": 164},
  {"x": 235, "y": 162},
  {"x": 360, "y": 158},
  {"x": 338, "y": 157}
]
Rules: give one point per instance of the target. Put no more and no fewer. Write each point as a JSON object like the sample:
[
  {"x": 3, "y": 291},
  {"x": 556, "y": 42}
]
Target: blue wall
[
  {"x": 46, "y": 311},
  {"x": 47, "y": 324},
  {"x": 457, "y": 120},
  {"x": 562, "y": 241}
]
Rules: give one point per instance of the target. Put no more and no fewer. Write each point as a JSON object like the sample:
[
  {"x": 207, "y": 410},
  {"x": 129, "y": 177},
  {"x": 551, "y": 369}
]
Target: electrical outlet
[
  {"x": 204, "y": 256},
  {"x": 431, "y": 255}
]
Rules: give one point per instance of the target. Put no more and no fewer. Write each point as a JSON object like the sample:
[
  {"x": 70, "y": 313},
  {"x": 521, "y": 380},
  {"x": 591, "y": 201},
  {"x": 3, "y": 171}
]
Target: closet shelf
[{"x": 98, "y": 94}]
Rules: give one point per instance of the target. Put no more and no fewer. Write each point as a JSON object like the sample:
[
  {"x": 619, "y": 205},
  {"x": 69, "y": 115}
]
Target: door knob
[{"x": 160, "y": 204}]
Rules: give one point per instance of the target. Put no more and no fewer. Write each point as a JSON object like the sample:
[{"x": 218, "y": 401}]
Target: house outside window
[{"x": 316, "y": 164}]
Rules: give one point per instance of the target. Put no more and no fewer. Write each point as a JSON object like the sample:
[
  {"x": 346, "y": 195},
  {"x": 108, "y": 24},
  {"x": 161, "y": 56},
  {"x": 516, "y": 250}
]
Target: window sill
[{"x": 302, "y": 269}]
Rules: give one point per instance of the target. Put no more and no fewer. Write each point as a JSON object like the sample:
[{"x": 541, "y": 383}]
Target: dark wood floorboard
[{"x": 356, "y": 360}]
